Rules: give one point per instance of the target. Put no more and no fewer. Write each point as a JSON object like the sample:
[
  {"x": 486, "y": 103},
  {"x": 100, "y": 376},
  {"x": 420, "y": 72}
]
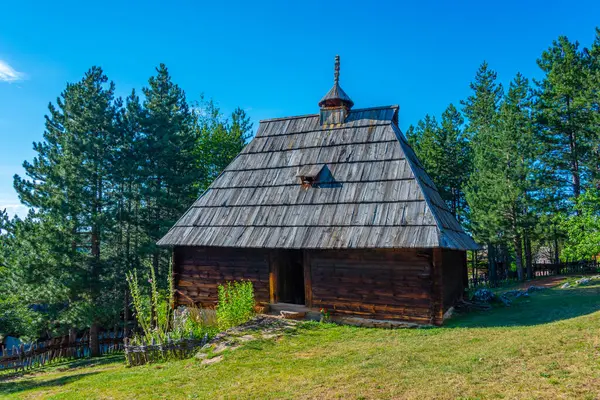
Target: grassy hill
[{"x": 546, "y": 346}]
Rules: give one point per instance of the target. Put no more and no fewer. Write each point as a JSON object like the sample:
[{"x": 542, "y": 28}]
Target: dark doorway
[{"x": 290, "y": 282}]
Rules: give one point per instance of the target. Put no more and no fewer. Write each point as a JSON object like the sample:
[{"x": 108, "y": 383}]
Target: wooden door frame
[
  {"x": 275, "y": 265},
  {"x": 273, "y": 276},
  {"x": 307, "y": 278}
]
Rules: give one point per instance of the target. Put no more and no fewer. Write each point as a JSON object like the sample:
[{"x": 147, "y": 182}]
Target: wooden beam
[
  {"x": 273, "y": 276},
  {"x": 465, "y": 269},
  {"x": 307, "y": 278},
  {"x": 437, "y": 294},
  {"x": 174, "y": 278}
]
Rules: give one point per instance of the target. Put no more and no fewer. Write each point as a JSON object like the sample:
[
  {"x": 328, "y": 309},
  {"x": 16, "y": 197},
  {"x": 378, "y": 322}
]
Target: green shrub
[
  {"x": 236, "y": 304},
  {"x": 17, "y": 319}
]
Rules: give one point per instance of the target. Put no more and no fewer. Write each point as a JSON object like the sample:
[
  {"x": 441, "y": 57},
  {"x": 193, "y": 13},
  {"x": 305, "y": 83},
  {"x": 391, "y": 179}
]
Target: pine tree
[
  {"x": 583, "y": 240},
  {"x": 455, "y": 160},
  {"x": 219, "y": 139},
  {"x": 592, "y": 94},
  {"x": 421, "y": 137},
  {"x": 563, "y": 119},
  {"x": 16, "y": 316},
  {"x": 481, "y": 109},
  {"x": 127, "y": 165},
  {"x": 108, "y": 180},
  {"x": 170, "y": 169},
  {"x": 69, "y": 184},
  {"x": 444, "y": 153},
  {"x": 503, "y": 183},
  {"x": 519, "y": 153}
]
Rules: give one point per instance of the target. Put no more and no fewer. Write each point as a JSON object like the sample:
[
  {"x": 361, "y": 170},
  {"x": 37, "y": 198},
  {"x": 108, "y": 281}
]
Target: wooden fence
[
  {"x": 539, "y": 270},
  {"x": 146, "y": 353},
  {"x": 27, "y": 356}
]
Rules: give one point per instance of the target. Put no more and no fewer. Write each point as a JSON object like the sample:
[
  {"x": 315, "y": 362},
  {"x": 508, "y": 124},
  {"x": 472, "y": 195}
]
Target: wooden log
[{"x": 306, "y": 265}]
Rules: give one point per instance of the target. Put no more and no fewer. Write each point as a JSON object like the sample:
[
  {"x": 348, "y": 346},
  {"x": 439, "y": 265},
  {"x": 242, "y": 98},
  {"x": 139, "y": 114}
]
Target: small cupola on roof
[{"x": 336, "y": 104}]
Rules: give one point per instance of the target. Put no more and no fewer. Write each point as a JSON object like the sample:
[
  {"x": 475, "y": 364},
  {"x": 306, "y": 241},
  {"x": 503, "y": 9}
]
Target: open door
[{"x": 289, "y": 277}]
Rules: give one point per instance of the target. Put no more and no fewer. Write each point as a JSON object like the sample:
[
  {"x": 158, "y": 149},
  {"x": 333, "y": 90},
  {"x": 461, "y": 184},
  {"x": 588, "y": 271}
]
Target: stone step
[{"x": 293, "y": 311}]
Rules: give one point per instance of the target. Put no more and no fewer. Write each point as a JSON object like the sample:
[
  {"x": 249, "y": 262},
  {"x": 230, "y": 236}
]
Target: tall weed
[
  {"x": 236, "y": 304},
  {"x": 158, "y": 321}
]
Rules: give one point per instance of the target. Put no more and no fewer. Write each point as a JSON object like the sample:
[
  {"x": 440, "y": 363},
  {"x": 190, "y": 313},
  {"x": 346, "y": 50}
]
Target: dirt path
[{"x": 547, "y": 282}]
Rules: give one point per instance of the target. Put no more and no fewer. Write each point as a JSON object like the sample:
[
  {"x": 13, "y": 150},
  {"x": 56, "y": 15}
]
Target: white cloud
[
  {"x": 9, "y": 74},
  {"x": 15, "y": 209}
]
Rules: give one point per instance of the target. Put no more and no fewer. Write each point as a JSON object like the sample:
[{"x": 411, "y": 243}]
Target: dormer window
[{"x": 309, "y": 175}]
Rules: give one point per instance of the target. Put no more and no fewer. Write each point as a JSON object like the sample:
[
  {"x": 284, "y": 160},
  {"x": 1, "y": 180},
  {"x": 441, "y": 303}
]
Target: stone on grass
[
  {"x": 270, "y": 336},
  {"x": 247, "y": 338},
  {"x": 504, "y": 300},
  {"x": 213, "y": 360},
  {"x": 264, "y": 326},
  {"x": 448, "y": 314},
  {"x": 293, "y": 314},
  {"x": 583, "y": 281},
  {"x": 483, "y": 295},
  {"x": 565, "y": 285},
  {"x": 221, "y": 347}
]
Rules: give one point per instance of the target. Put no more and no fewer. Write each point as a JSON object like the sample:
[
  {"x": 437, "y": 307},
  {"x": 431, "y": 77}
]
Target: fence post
[{"x": 21, "y": 358}]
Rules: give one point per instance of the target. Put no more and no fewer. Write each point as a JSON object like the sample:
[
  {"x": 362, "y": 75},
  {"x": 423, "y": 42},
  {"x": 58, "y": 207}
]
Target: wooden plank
[
  {"x": 273, "y": 276},
  {"x": 437, "y": 287},
  {"x": 307, "y": 278},
  {"x": 380, "y": 284},
  {"x": 201, "y": 270}
]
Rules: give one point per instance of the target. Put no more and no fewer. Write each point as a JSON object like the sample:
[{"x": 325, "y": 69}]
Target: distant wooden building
[{"x": 329, "y": 210}]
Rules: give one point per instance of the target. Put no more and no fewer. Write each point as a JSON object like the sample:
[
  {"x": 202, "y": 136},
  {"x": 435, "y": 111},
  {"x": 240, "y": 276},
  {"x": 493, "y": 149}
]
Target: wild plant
[{"x": 236, "y": 304}]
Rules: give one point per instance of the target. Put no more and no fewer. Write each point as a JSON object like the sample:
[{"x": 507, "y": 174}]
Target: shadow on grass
[
  {"x": 89, "y": 362},
  {"x": 538, "y": 308},
  {"x": 29, "y": 383},
  {"x": 63, "y": 365}
]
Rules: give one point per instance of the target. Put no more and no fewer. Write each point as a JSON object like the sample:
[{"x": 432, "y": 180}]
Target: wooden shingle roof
[
  {"x": 335, "y": 96},
  {"x": 379, "y": 195}
]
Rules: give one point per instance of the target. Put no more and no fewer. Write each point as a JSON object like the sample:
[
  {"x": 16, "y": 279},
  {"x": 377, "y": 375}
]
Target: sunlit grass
[{"x": 544, "y": 346}]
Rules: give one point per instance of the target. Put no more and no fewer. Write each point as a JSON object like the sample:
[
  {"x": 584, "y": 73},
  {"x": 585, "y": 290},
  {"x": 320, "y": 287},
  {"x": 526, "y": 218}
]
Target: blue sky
[{"x": 273, "y": 59}]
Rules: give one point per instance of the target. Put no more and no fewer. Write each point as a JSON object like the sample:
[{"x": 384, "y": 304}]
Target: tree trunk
[
  {"x": 473, "y": 264},
  {"x": 528, "y": 256},
  {"x": 491, "y": 264},
  {"x": 72, "y": 342},
  {"x": 519, "y": 256},
  {"x": 506, "y": 259},
  {"x": 94, "y": 342},
  {"x": 126, "y": 314},
  {"x": 556, "y": 253},
  {"x": 475, "y": 274},
  {"x": 575, "y": 176},
  {"x": 574, "y": 159}
]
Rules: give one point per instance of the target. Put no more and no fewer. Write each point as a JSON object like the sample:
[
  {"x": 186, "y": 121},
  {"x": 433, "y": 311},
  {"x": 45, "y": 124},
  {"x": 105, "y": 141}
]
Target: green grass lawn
[{"x": 546, "y": 346}]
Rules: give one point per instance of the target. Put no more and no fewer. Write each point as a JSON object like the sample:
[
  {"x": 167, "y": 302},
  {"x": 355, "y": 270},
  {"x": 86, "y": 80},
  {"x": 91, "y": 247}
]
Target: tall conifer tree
[
  {"x": 563, "y": 118},
  {"x": 169, "y": 167},
  {"x": 445, "y": 154},
  {"x": 69, "y": 184},
  {"x": 481, "y": 110}
]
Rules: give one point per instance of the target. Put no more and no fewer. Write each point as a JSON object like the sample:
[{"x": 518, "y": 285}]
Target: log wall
[
  {"x": 199, "y": 270},
  {"x": 407, "y": 285},
  {"x": 377, "y": 284}
]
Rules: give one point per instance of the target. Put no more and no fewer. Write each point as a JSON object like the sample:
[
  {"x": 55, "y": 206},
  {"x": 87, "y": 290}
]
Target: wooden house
[{"x": 331, "y": 210}]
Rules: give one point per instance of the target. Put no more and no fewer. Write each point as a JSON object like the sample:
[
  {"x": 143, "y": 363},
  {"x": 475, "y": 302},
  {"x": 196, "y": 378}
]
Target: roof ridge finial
[
  {"x": 336, "y": 97},
  {"x": 336, "y": 74}
]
